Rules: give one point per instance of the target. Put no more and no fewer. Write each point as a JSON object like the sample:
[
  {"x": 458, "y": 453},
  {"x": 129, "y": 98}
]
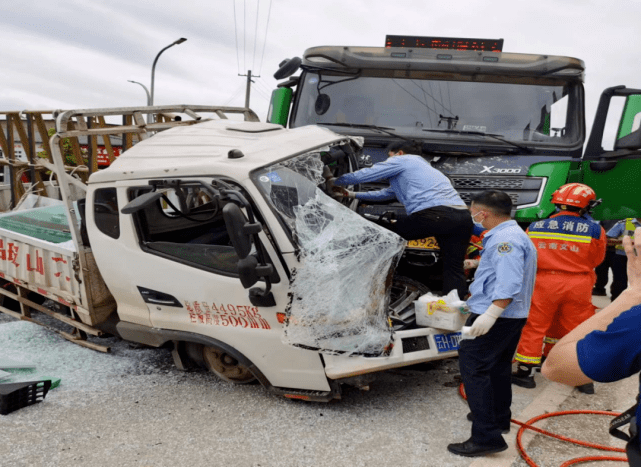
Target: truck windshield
[
  {"x": 547, "y": 112},
  {"x": 339, "y": 291}
]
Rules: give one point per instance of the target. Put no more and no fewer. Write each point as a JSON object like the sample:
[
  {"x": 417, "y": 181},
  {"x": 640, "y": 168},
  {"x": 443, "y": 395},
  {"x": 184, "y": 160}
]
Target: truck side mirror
[
  {"x": 631, "y": 141},
  {"x": 240, "y": 230},
  {"x": 141, "y": 202},
  {"x": 250, "y": 271},
  {"x": 287, "y": 67}
]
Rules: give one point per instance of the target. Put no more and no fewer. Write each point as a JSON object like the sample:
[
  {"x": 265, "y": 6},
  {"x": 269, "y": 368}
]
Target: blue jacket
[
  {"x": 615, "y": 353},
  {"x": 507, "y": 270},
  {"x": 413, "y": 181}
]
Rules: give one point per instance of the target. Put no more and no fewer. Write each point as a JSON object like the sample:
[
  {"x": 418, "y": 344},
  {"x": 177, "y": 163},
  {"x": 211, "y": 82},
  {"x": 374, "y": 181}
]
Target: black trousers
[
  {"x": 619, "y": 266},
  {"x": 486, "y": 368},
  {"x": 603, "y": 269},
  {"x": 633, "y": 450},
  {"x": 452, "y": 229}
]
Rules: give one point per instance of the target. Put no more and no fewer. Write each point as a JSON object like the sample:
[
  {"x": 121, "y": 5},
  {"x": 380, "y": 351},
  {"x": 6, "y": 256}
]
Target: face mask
[{"x": 477, "y": 223}]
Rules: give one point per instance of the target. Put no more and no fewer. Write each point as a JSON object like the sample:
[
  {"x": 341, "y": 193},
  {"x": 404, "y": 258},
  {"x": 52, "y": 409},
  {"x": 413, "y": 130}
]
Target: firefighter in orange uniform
[{"x": 569, "y": 245}]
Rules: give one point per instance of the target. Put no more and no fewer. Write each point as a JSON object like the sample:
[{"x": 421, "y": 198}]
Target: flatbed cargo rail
[{"x": 55, "y": 263}]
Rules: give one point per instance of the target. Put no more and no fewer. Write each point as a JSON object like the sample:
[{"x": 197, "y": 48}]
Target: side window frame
[{"x": 141, "y": 223}]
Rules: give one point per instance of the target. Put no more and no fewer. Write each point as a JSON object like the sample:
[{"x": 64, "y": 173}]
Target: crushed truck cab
[{"x": 220, "y": 239}]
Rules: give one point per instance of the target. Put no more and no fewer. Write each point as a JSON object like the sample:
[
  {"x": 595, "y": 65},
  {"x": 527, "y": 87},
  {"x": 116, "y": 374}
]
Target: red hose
[{"x": 529, "y": 426}]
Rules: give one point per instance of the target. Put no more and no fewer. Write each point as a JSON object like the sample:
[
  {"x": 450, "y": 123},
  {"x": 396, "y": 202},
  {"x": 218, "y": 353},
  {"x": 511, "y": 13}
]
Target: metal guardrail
[{"x": 134, "y": 122}]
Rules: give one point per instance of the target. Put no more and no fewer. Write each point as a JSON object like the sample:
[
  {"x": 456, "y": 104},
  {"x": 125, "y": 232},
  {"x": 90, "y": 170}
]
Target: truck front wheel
[{"x": 226, "y": 367}]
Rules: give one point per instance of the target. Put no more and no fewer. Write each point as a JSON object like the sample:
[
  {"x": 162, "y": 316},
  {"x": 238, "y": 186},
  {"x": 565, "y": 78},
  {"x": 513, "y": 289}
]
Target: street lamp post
[
  {"x": 153, "y": 67},
  {"x": 149, "y": 116},
  {"x": 146, "y": 90}
]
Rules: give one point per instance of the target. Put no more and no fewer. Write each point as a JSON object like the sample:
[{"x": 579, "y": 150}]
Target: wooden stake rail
[{"x": 77, "y": 336}]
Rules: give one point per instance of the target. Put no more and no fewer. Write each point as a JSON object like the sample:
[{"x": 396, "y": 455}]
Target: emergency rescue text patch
[{"x": 504, "y": 248}]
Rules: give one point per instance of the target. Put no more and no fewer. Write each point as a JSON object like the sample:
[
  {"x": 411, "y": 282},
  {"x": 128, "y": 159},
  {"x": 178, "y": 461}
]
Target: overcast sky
[{"x": 80, "y": 53}]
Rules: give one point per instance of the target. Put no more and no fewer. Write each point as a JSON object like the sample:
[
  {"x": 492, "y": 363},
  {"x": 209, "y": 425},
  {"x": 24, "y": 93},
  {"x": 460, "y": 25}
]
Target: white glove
[
  {"x": 484, "y": 322},
  {"x": 344, "y": 192},
  {"x": 338, "y": 191},
  {"x": 470, "y": 263}
]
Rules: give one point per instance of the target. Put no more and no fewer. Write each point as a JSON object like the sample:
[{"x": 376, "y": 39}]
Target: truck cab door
[
  {"x": 205, "y": 279},
  {"x": 611, "y": 163}
]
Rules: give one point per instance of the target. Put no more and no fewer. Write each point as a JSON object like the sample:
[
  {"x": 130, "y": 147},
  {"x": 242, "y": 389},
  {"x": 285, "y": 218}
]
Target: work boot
[
  {"x": 524, "y": 375},
  {"x": 599, "y": 292},
  {"x": 586, "y": 388}
]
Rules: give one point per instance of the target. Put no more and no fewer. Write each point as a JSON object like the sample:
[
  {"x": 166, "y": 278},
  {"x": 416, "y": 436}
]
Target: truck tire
[
  {"x": 226, "y": 367},
  {"x": 403, "y": 294}
]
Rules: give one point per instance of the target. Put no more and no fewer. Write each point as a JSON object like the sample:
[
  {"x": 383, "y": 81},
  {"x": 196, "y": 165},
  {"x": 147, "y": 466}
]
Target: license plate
[
  {"x": 424, "y": 244},
  {"x": 447, "y": 342}
]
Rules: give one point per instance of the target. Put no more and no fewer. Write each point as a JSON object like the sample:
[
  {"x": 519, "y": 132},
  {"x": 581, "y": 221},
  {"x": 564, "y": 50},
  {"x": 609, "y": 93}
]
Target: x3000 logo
[{"x": 492, "y": 170}]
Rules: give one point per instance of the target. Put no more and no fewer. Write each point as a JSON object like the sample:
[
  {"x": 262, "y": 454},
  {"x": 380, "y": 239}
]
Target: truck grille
[
  {"x": 522, "y": 190},
  {"x": 499, "y": 184}
]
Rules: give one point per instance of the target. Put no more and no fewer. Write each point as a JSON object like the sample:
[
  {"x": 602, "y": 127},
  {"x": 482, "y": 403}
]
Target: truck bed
[{"x": 37, "y": 251}]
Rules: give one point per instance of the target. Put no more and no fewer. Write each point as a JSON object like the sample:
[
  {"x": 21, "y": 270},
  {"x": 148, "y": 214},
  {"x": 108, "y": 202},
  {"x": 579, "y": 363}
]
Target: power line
[
  {"x": 256, "y": 33},
  {"x": 261, "y": 91},
  {"x": 416, "y": 98},
  {"x": 425, "y": 97},
  {"x": 240, "y": 88},
  {"x": 264, "y": 86},
  {"x": 236, "y": 37},
  {"x": 262, "y": 94},
  {"x": 259, "y": 85},
  {"x": 269, "y": 13}
]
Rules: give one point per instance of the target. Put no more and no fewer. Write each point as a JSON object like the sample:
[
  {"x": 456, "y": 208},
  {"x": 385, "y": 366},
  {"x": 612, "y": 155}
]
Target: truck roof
[
  {"x": 448, "y": 61},
  {"x": 204, "y": 148}
]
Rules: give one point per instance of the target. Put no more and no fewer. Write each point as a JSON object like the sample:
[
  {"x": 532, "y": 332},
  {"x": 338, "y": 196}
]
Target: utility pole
[{"x": 248, "y": 89}]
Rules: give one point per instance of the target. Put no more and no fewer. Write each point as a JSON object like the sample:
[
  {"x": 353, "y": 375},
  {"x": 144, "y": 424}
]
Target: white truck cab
[{"x": 218, "y": 239}]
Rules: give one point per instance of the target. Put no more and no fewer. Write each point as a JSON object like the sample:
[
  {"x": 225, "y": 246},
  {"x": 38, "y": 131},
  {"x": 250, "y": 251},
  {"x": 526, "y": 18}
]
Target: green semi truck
[{"x": 488, "y": 119}]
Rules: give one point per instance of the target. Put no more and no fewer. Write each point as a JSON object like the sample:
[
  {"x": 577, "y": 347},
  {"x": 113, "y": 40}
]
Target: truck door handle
[
  {"x": 158, "y": 298},
  {"x": 161, "y": 302}
]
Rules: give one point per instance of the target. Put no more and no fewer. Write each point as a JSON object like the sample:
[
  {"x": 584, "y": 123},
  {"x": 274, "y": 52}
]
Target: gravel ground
[{"x": 132, "y": 407}]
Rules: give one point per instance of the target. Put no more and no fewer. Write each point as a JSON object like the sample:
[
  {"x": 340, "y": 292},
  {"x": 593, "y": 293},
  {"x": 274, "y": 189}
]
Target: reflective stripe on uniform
[
  {"x": 530, "y": 360},
  {"x": 550, "y": 340},
  {"x": 560, "y": 236},
  {"x": 629, "y": 230}
]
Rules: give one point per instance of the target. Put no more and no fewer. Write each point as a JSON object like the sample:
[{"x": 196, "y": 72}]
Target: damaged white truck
[{"x": 216, "y": 237}]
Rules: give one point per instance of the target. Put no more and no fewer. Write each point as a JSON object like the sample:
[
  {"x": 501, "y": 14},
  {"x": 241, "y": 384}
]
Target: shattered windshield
[
  {"x": 546, "y": 112},
  {"x": 339, "y": 300}
]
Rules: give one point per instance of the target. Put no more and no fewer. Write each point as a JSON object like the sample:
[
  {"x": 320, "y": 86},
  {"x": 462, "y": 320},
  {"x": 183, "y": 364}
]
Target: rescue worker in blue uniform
[
  {"x": 499, "y": 305},
  {"x": 615, "y": 236},
  {"x": 607, "y": 347},
  {"x": 433, "y": 206}
]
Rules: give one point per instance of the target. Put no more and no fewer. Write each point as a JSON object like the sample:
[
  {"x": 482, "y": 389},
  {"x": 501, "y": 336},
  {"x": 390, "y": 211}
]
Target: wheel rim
[{"x": 226, "y": 367}]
